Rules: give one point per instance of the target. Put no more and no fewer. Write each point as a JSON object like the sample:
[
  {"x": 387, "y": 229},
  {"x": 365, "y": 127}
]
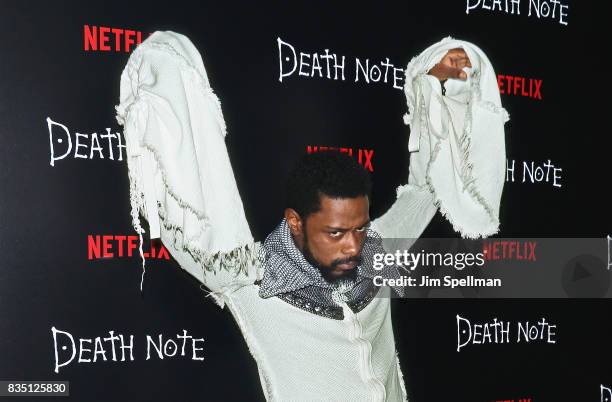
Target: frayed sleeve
[
  {"x": 457, "y": 148},
  {"x": 181, "y": 179}
]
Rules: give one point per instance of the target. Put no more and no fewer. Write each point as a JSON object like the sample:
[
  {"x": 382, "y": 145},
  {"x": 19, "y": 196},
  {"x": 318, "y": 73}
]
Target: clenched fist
[{"x": 451, "y": 65}]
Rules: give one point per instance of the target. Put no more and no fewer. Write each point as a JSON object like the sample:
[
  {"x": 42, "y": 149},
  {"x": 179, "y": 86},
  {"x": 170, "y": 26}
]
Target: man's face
[{"x": 332, "y": 238}]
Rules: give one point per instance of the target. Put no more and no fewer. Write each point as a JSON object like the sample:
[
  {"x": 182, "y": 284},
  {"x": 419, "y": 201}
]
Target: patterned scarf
[{"x": 290, "y": 277}]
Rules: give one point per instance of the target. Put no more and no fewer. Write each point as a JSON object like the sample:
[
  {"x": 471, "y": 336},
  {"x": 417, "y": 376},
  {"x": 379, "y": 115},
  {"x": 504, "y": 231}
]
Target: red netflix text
[
  {"x": 111, "y": 246},
  {"x": 520, "y": 86},
  {"x": 364, "y": 156},
  {"x": 106, "y": 39},
  {"x": 509, "y": 250}
]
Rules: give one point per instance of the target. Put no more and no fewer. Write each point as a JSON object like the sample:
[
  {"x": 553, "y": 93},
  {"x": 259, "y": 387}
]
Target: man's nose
[{"x": 351, "y": 245}]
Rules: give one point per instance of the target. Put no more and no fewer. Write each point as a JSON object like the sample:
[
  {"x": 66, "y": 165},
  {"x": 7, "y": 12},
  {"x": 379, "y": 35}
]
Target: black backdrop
[{"x": 47, "y": 212}]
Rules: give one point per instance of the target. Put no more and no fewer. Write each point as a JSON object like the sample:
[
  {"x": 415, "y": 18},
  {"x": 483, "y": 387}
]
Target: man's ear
[{"x": 294, "y": 221}]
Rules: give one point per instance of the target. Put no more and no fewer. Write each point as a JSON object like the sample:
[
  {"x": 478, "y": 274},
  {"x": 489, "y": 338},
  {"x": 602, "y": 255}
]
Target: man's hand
[{"x": 451, "y": 65}]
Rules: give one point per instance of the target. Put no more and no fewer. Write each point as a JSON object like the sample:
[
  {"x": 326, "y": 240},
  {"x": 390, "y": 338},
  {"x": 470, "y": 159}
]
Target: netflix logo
[
  {"x": 112, "y": 246},
  {"x": 520, "y": 86},
  {"x": 106, "y": 39},
  {"x": 364, "y": 156},
  {"x": 509, "y": 250}
]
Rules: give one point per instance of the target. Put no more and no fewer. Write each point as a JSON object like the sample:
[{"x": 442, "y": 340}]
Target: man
[{"x": 313, "y": 320}]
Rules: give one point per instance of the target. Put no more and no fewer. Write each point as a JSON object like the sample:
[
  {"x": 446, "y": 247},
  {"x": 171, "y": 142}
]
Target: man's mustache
[{"x": 358, "y": 259}]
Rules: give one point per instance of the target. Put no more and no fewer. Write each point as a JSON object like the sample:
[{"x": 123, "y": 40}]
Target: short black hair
[{"x": 331, "y": 173}]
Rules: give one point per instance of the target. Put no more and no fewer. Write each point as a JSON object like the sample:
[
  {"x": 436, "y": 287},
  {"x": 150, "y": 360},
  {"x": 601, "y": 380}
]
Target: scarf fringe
[
  {"x": 440, "y": 205},
  {"x": 237, "y": 260}
]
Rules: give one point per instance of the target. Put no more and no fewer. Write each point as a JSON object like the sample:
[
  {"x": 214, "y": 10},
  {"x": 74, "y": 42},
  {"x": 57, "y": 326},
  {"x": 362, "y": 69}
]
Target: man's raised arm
[
  {"x": 181, "y": 178},
  {"x": 457, "y": 144}
]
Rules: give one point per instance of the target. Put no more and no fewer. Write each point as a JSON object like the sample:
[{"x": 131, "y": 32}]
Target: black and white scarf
[{"x": 290, "y": 277}]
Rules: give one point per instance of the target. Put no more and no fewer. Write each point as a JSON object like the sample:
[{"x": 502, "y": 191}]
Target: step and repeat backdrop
[{"x": 292, "y": 77}]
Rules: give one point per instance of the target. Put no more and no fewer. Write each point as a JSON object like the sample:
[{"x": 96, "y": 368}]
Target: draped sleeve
[
  {"x": 181, "y": 179},
  {"x": 456, "y": 145}
]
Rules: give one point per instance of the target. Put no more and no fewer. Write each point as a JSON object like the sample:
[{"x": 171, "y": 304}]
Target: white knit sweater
[{"x": 181, "y": 181}]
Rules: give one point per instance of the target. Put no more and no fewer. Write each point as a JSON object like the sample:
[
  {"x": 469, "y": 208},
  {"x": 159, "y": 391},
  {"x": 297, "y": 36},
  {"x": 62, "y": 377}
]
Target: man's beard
[{"x": 326, "y": 270}]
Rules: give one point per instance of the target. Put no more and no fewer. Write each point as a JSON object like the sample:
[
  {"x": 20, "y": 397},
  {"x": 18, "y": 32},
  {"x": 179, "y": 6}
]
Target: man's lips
[{"x": 347, "y": 266}]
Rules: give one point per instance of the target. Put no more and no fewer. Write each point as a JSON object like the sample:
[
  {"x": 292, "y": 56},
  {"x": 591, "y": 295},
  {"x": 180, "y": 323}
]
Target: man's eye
[
  {"x": 362, "y": 229},
  {"x": 335, "y": 234}
]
